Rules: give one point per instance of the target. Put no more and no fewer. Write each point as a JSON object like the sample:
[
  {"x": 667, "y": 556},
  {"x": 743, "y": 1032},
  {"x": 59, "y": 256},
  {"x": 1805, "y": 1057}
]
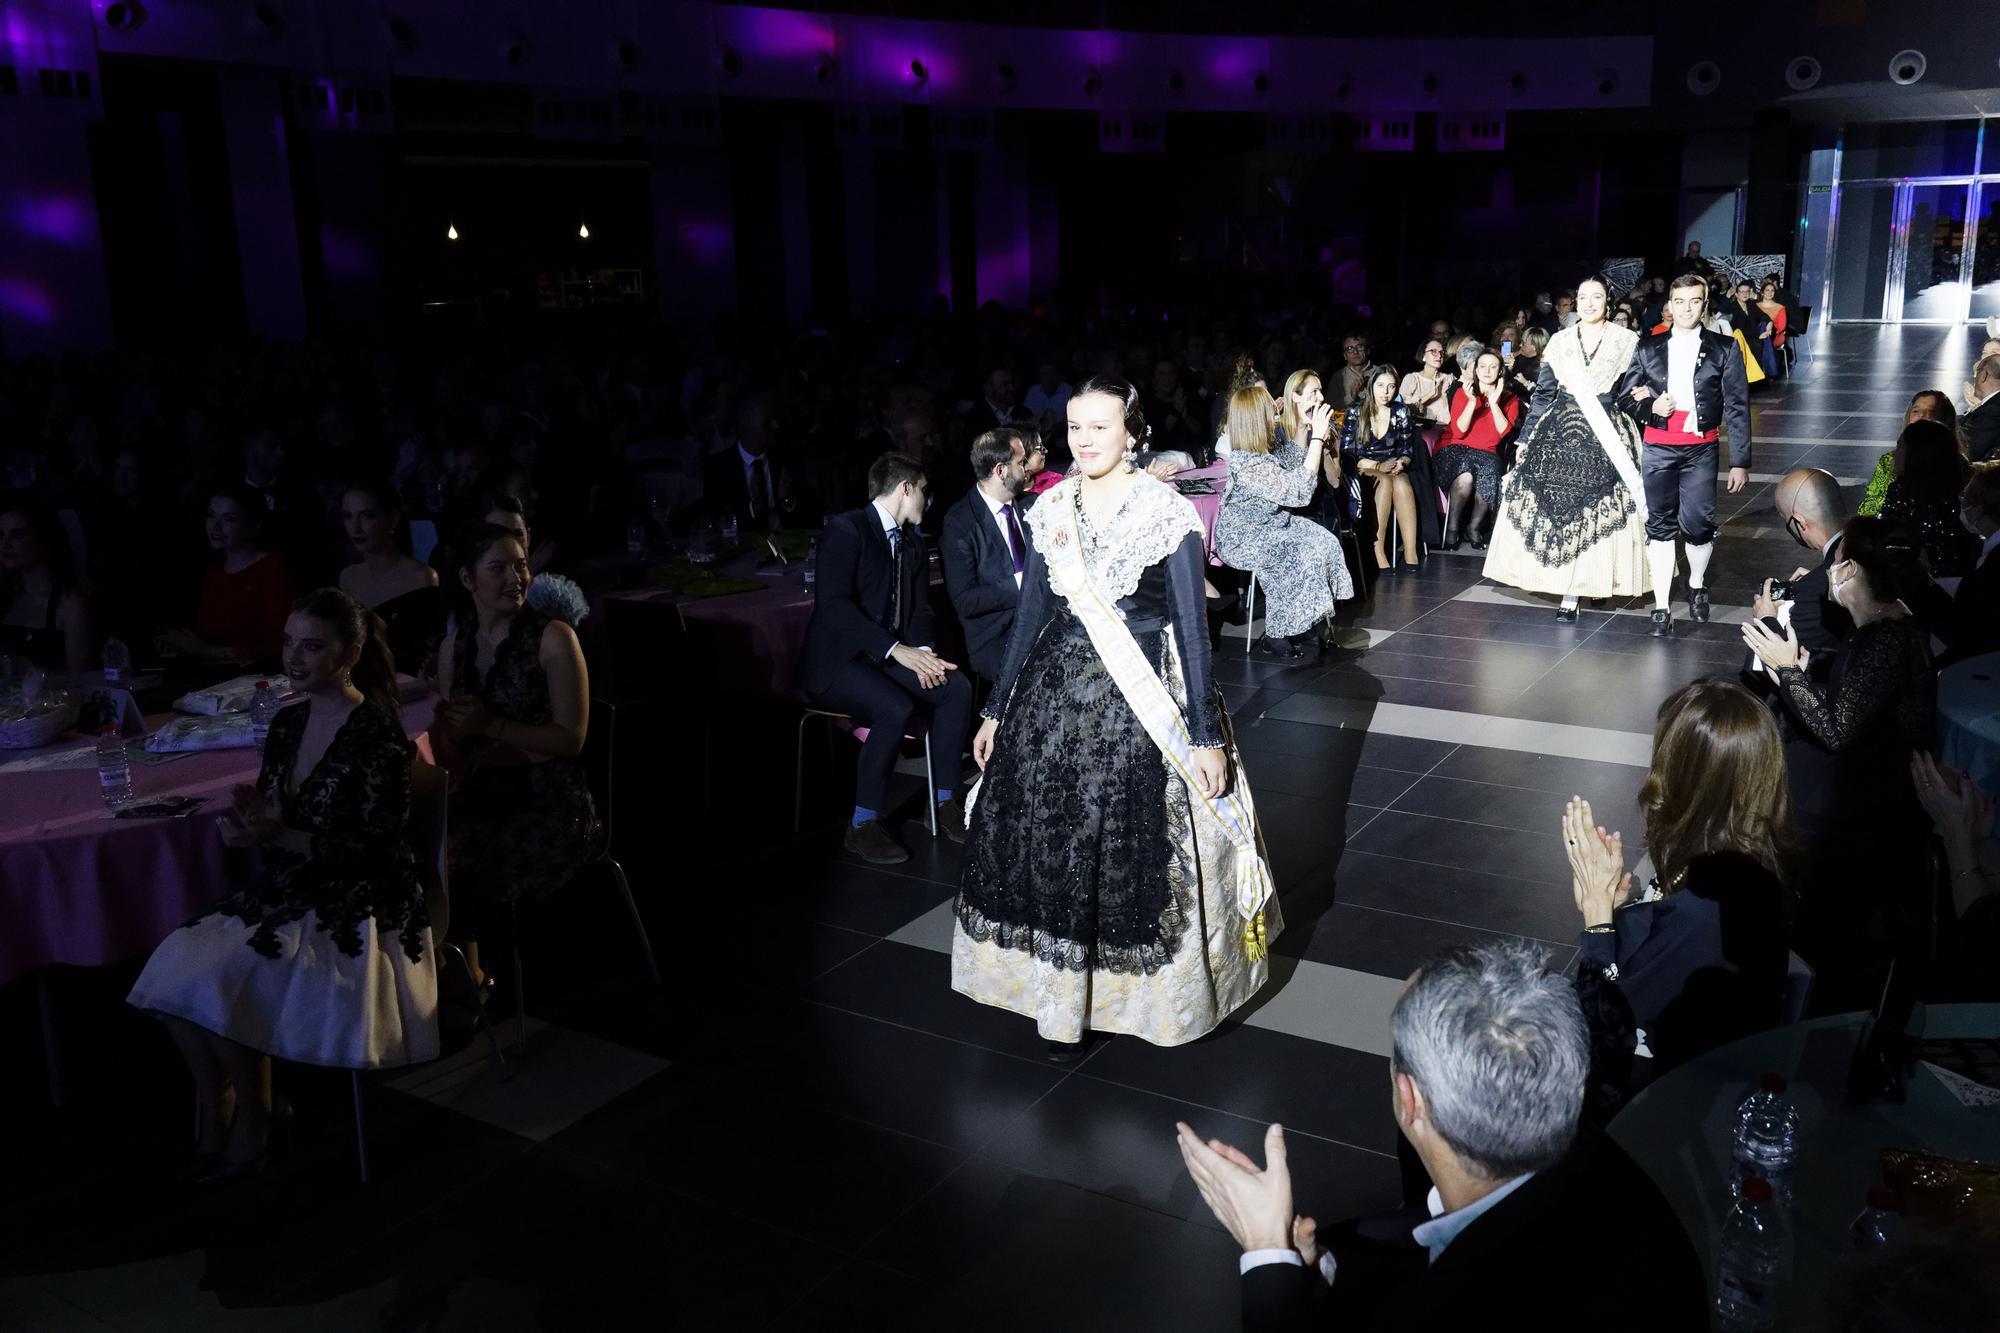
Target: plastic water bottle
[
  {"x": 812, "y": 562},
  {"x": 117, "y": 661},
  {"x": 114, "y": 770},
  {"x": 1767, "y": 1137},
  {"x": 1881, "y": 1220},
  {"x": 1752, "y": 1261},
  {"x": 635, "y": 539},
  {"x": 263, "y": 707}
]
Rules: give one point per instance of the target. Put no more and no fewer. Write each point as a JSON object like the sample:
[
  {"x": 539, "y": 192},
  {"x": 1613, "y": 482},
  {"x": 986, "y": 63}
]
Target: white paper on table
[
  {"x": 82, "y": 754},
  {"x": 1970, "y": 1094}
]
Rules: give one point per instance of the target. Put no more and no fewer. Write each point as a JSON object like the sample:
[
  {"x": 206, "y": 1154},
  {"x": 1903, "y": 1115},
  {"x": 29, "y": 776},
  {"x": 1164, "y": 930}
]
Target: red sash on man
[{"x": 1676, "y": 432}]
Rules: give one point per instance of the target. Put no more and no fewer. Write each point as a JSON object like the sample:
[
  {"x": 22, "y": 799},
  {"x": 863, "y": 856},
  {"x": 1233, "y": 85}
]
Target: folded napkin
[
  {"x": 228, "y": 731},
  {"x": 231, "y": 696}
]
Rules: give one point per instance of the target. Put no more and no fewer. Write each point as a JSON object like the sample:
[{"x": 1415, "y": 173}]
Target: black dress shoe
[
  {"x": 1272, "y": 645},
  {"x": 1698, "y": 605},
  {"x": 1663, "y": 624},
  {"x": 1451, "y": 541},
  {"x": 1476, "y": 543},
  {"x": 1566, "y": 615},
  {"x": 951, "y": 819},
  {"x": 871, "y": 842}
]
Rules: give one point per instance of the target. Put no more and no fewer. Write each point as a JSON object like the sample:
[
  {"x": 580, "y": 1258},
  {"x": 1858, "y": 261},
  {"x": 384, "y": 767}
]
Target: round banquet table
[
  {"x": 1968, "y": 709},
  {"x": 1208, "y": 506},
  {"x": 1679, "y": 1131},
  {"x": 79, "y": 887},
  {"x": 753, "y": 638}
]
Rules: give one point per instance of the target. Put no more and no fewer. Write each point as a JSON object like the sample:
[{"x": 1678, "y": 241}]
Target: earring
[{"x": 1131, "y": 457}]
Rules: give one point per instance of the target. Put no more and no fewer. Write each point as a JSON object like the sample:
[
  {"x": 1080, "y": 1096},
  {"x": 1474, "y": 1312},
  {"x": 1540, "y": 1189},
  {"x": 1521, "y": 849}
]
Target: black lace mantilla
[
  {"x": 1565, "y": 496},
  {"x": 355, "y": 805},
  {"x": 1087, "y": 869}
]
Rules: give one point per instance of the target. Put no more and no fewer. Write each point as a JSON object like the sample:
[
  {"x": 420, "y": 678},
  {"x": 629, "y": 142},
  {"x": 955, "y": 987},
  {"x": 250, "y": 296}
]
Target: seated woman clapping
[
  {"x": 1467, "y": 465},
  {"x": 323, "y": 956},
  {"x": 1298, "y": 563},
  {"x": 1384, "y": 443},
  {"x": 1700, "y": 958}
]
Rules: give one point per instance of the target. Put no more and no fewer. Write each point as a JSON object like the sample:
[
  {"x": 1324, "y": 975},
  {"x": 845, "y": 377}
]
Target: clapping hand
[
  {"x": 1959, "y": 810},
  {"x": 1254, "y": 1204},
  {"x": 1320, "y": 422},
  {"x": 1598, "y": 877},
  {"x": 1776, "y": 651},
  {"x": 463, "y": 717},
  {"x": 252, "y": 818}
]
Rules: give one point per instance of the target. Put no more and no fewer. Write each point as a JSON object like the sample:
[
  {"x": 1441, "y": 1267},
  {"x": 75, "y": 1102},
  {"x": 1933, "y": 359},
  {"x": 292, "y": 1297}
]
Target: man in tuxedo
[
  {"x": 1683, "y": 384},
  {"x": 1968, "y": 619},
  {"x": 1489, "y": 1060},
  {"x": 1812, "y": 509},
  {"x": 998, "y": 404},
  {"x": 742, "y": 480},
  {"x": 1980, "y": 423},
  {"x": 986, "y": 549},
  {"x": 867, "y": 651}
]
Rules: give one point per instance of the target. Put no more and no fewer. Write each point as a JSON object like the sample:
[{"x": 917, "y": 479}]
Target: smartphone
[{"x": 1506, "y": 347}]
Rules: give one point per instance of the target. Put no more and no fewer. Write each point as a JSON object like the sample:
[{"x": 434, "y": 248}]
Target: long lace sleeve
[
  {"x": 1867, "y": 685},
  {"x": 1029, "y": 619},
  {"x": 1188, "y": 601},
  {"x": 1268, "y": 479}
]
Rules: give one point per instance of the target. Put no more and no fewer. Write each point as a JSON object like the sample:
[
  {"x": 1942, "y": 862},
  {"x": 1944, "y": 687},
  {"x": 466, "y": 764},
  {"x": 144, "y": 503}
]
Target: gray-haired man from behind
[{"x": 1490, "y": 1059}]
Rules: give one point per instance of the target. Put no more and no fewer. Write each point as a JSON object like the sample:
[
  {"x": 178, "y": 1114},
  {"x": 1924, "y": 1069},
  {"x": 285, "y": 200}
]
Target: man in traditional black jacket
[{"x": 1682, "y": 385}]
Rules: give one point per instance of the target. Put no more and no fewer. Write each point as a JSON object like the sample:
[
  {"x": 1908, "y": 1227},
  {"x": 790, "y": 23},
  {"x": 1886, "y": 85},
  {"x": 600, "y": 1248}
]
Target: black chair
[{"x": 597, "y": 759}]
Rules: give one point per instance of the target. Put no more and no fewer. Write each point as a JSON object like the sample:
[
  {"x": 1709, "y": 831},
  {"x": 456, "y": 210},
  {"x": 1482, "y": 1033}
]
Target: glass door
[
  {"x": 1985, "y": 276},
  {"x": 1933, "y": 286},
  {"x": 1863, "y": 247}
]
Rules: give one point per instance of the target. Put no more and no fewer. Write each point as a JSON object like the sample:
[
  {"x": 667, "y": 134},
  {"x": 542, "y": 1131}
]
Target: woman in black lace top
[
  {"x": 521, "y": 821},
  {"x": 1866, "y": 832},
  {"x": 324, "y": 957}
]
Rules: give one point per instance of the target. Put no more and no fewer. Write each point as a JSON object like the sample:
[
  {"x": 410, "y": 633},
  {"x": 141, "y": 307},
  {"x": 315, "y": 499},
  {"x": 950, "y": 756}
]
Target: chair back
[
  {"x": 430, "y": 797},
  {"x": 597, "y": 759},
  {"x": 1798, "y": 989},
  {"x": 1805, "y": 321}
]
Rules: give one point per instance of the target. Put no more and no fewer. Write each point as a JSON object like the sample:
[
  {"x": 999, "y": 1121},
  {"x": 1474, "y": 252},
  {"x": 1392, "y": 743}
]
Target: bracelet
[{"x": 1606, "y": 929}]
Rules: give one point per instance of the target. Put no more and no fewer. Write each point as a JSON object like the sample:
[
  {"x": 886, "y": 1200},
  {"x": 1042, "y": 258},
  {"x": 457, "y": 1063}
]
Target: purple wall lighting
[
  {"x": 67, "y": 220},
  {"x": 27, "y": 299}
]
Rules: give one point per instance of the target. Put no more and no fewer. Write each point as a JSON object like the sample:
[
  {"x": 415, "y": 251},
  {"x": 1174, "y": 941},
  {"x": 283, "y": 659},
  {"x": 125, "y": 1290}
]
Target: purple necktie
[{"x": 1014, "y": 539}]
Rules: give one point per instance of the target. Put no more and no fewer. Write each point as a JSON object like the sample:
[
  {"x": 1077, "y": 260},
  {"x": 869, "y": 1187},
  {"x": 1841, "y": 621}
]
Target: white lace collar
[{"x": 1150, "y": 524}]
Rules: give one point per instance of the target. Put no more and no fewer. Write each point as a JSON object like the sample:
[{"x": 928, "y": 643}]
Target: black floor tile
[
  {"x": 1610, "y": 785},
  {"x": 1264, "y": 1076},
  {"x": 1496, "y": 806},
  {"x": 911, "y": 986},
  {"x": 872, "y": 900},
  {"x": 1338, "y": 746},
  {"x": 1389, "y": 944},
  {"x": 1446, "y": 843},
  {"x": 1543, "y": 911}
]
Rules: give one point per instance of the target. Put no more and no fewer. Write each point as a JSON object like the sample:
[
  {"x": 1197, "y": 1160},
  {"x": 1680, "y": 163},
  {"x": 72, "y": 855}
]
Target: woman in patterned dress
[
  {"x": 1114, "y": 875},
  {"x": 1572, "y": 513},
  {"x": 1298, "y": 563}
]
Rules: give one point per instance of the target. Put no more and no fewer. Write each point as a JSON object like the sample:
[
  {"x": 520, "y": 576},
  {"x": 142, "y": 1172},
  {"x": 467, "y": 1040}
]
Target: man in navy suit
[
  {"x": 1683, "y": 384},
  {"x": 986, "y": 547},
  {"x": 867, "y": 650}
]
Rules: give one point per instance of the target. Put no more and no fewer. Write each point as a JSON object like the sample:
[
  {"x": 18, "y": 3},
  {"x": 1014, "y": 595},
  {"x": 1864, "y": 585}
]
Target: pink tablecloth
[
  {"x": 79, "y": 887},
  {"x": 1208, "y": 506},
  {"x": 751, "y": 638}
]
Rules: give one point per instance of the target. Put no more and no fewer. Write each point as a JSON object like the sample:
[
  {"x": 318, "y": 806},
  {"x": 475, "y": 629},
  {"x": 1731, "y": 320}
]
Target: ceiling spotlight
[
  {"x": 1004, "y": 72},
  {"x": 627, "y": 52},
  {"x": 1343, "y": 86},
  {"x": 268, "y": 17},
  {"x": 400, "y": 32},
  {"x": 582, "y": 232},
  {"x": 1091, "y": 83},
  {"x": 1262, "y": 83},
  {"x": 451, "y": 231},
  {"x": 1704, "y": 77},
  {"x": 124, "y": 17},
  {"x": 1176, "y": 82},
  {"x": 1802, "y": 74},
  {"x": 823, "y": 70},
  {"x": 1518, "y": 82},
  {"x": 732, "y": 61},
  {"x": 514, "y": 47},
  {"x": 1607, "y": 82},
  {"x": 918, "y": 72},
  {"x": 1430, "y": 84},
  {"x": 1906, "y": 67}
]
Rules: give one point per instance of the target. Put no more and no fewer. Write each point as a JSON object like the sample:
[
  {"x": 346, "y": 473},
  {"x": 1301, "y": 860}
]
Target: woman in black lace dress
[
  {"x": 1114, "y": 876},
  {"x": 521, "y": 821},
  {"x": 324, "y": 957},
  {"x": 1861, "y": 829}
]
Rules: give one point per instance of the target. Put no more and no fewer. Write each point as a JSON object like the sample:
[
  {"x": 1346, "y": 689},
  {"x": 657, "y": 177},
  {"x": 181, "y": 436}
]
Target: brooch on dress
[{"x": 1061, "y": 538}]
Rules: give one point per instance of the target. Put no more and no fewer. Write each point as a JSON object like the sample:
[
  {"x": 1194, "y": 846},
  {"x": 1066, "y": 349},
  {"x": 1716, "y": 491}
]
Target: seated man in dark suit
[
  {"x": 867, "y": 651},
  {"x": 1812, "y": 509},
  {"x": 1968, "y": 619},
  {"x": 986, "y": 547},
  {"x": 742, "y": 481},
  {"x": 1524, "y": 1208}
]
